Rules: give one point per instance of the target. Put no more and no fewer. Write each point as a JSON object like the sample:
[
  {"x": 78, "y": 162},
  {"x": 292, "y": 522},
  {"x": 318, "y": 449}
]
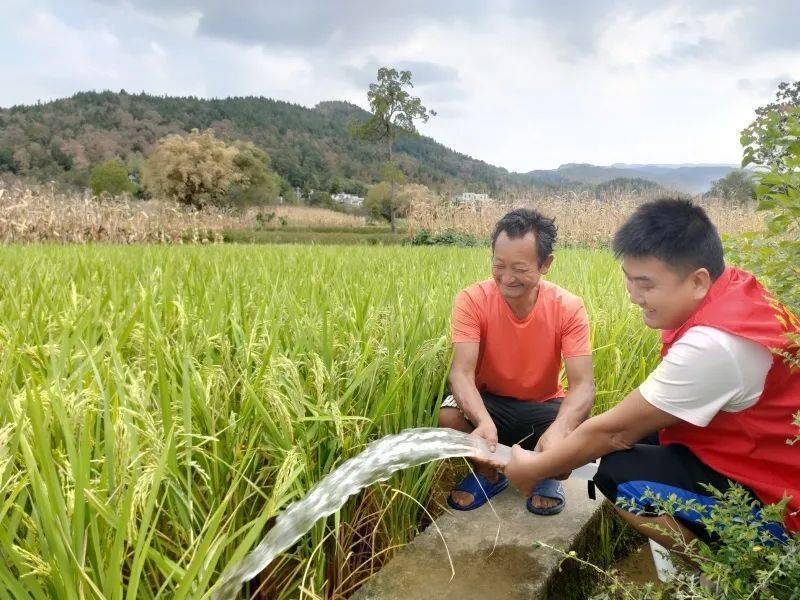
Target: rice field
[{"x": 161, "y": 404}]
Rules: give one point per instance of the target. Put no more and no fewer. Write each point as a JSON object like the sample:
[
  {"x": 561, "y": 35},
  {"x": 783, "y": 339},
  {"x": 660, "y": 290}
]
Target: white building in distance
[
  {"x": 348, "y": 199},
  {"x": 472, "y": 198}
]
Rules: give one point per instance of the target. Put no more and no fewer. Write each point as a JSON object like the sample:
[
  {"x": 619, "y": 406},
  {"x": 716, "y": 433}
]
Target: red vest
[{"x": 749, "y": 446}]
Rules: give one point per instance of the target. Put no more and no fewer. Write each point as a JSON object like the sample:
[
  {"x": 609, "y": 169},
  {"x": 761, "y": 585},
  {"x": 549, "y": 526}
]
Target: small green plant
[
  {"x": 446, "y": 238},
  {"x": 745, "y": 561},
  {"x": 263, "y": 219}
]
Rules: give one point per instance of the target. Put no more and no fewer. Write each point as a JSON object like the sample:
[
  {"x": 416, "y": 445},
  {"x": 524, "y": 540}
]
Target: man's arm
[
  {"x": 466, "y": 394},
  {"x": 577, "y": 404},
  {"x": 617, "y": 429}
]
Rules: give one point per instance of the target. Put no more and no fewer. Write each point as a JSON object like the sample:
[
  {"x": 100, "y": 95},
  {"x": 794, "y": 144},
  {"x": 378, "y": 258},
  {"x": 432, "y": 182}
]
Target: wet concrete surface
[{"x": 488, "y": 564}]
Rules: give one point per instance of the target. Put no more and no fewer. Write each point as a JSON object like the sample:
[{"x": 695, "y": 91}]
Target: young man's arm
[
  {"x": 617, "y": 429},
  {"x": 577, "y": 404},
  {"x": 466, "y": 394}
]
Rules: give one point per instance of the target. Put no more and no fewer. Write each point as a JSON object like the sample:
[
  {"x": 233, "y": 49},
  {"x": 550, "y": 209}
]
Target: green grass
[
  {"x": 160, "y": 405},
  {"x": 319, "y": 236},
  {"x": 328, "y": 229}
]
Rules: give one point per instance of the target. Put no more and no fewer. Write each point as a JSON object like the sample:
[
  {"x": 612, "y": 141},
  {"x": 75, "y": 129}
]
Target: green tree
[
  {"x": 378, "y": 200},
  {"x": 393, "y": 109},
  {"x": 259, "y": 184},
  {"x": 352, "y": 186},
  {"x": 111, "y": 177},
  {"x": 321, "y": 199},
  {"x": 762, "y": 138},
  {"x": 7, "y": 160},
  {"x": 382, "y": 201},
  {"x": 737, "y": 186},
  {"x": 391, "y": 173},
  {"x": 287, "y": 191},
  {"x": 62, "y": 159},
  {"x": 773, "y": 148}
]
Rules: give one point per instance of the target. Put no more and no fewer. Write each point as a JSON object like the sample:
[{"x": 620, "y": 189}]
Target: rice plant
[{"x": 161, "y": 404}]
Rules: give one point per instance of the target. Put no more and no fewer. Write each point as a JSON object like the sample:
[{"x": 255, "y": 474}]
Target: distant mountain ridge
[
  {"x": 686, "y": 178},
  {"x": 310, "y": 147}
]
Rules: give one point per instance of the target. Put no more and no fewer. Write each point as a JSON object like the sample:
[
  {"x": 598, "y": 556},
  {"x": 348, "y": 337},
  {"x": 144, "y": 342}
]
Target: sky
[{"x": 523, "y": 84}]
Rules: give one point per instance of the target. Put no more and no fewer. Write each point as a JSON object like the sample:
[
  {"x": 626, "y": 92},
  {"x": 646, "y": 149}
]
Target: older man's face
[{"x": 515, "y": 265}]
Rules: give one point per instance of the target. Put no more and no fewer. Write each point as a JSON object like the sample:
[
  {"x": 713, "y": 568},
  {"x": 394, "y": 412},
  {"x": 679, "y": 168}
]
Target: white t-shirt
[{"x": 706, "y": 371}]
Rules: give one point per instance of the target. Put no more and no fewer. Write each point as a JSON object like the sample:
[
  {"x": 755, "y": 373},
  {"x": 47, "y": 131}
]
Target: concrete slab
[{"x": 511, "y": 569}]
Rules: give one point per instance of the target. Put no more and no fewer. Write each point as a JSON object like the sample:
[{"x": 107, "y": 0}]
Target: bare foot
[
  {"x": 465, "y": 498},
  {"x": 544, "y": 502}
]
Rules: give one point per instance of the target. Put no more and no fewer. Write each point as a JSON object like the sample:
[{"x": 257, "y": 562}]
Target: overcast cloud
[{"x": 520, "y": 84}]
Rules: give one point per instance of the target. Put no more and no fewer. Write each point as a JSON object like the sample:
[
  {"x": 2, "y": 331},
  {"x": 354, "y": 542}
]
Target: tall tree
[
  {"x": 764, "y": 139},
  {"x": 111, "y": 177},
  {"x": 772, "y": 147},
  {"x": 393, "y": 109}
]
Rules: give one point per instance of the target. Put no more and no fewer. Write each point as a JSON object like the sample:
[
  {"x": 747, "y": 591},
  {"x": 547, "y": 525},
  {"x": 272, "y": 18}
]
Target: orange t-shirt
[{"x": 521, "y": 358}]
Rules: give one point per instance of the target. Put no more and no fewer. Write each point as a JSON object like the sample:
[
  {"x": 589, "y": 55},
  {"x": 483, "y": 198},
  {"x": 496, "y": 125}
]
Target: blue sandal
[
  {"x": 480, "y": 488},
  {"x": 547, "y": 488}
]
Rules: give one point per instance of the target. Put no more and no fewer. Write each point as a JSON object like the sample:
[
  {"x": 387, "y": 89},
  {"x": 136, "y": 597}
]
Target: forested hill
[{"x": 309, "y": 147}]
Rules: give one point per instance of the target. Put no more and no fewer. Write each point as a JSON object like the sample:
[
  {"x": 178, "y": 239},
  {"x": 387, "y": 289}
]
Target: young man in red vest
[{"x": 721, "y": 400}]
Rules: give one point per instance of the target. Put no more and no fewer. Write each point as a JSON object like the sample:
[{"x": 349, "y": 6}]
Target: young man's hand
[
  {"x": 518, "y": 469},
  {"x": 552, "y": 437},
  {"x": 486, "y": 429}
]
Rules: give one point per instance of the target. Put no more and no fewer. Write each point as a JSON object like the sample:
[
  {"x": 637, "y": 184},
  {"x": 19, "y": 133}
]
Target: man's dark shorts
[
  {"x": 664, "y": 470},
  {"x": 517, "y": 421}
]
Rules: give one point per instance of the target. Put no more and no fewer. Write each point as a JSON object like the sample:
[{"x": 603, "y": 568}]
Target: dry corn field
[
  {"x": 31, "y": 215},
  {"x": 582, "y": 219}
]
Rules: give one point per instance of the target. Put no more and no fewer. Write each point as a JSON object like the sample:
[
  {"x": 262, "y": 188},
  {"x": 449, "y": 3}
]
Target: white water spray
[{"x": 377, "y": 462}]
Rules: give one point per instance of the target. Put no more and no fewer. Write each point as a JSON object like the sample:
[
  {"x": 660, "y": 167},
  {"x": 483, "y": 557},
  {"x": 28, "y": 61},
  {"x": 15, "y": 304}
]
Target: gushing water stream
[{"x": 377, "y": 462}]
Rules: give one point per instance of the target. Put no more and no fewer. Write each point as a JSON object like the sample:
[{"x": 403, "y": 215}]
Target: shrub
[
  {"x": 196, "y": 169},
  {"x": 111, "y": 177},
  {"x": 737, "y": 186},
  {"x": 259, "y": 184},
  {"x": 446, "y": 238},
  {"x": 747, "y": 562}
]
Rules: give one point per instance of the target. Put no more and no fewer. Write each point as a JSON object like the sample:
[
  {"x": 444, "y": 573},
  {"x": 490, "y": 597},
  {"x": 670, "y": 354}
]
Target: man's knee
[
  {"x": 619, "y": 478},
  {"x": 610, "y": 474}
]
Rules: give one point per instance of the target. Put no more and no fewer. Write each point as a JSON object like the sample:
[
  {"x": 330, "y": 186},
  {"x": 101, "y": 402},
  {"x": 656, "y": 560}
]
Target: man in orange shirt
[{"x": 510, "y": 334}]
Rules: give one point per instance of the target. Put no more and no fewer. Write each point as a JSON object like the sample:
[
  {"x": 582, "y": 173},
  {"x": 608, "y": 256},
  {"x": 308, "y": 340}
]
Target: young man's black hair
[
  {"x": 674, "y": 231},
  {"x": 520, "y": 222}
]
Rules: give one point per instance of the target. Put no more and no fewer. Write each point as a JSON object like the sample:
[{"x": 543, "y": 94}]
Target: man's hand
[
  {"x": 551, "y": 438},
  {"x": 486, "y": 429}
]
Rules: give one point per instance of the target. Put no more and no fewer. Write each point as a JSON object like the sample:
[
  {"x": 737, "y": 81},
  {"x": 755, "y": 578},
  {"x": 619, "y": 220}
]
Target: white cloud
[{"x": 519, "y": 84}]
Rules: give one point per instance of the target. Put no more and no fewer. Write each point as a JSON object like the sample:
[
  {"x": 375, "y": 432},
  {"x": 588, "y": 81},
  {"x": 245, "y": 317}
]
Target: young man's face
[
  {"x": 667, "y": 298},
  {"x": 515, "y": 265}
]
